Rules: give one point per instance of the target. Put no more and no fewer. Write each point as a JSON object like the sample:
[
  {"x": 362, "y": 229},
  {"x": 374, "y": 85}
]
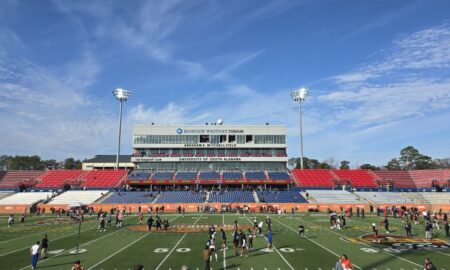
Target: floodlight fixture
[{"x": 121, "y": 95}]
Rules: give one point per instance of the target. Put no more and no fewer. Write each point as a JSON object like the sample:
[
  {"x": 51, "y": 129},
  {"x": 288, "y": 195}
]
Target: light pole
[
  {"x": 121, "y": 95},
  {"x": 298, "y": 96}
]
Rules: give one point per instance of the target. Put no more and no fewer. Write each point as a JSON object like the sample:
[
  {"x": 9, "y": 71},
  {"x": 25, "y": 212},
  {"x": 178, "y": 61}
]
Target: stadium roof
[{"x": 109, "y": 159}]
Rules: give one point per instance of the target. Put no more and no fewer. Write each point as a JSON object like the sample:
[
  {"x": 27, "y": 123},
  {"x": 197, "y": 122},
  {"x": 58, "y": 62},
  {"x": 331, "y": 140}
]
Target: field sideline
[{"x": 123, "y": 248}]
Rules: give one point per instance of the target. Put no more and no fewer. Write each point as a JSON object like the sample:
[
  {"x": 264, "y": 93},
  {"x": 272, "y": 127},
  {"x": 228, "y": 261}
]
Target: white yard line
[
  {"x": 174, "y": 247},
  {"x": 14, "y": 251},
  {"x": 122, "y": 249},
  {"x": 69, "y": 250},
  {"x": 390, "y": 254},
  {"x": 325, "y": 248},
  {"x": 224, "y": 250},
  {"x": 279, "y": 253}
]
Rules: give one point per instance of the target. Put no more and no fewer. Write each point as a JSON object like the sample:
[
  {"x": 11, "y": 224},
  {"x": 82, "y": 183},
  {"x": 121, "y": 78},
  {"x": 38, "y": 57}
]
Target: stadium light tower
[
  {"x": 121, "y": 95},
  {"x": 298, "y": 96}
]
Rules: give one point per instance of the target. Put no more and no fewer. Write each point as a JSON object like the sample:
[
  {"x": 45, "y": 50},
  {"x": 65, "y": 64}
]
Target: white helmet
[{"x": 373, "y": 224}]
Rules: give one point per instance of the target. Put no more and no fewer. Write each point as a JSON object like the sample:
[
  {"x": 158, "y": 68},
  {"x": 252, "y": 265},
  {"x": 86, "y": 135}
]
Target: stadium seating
[
  {"x": 281, "y": 197},
  {"x": 11, "y": 179},
  {"x": 78, "y": 196},
  {"x": 161, "y": 176},
  {"x": 255, "y": 176},
  {"x": 209, "y": 176},
  {"x": 400, "y": 179},
  {"x": 186, "y": 176},
  {"x": 181, "y": 197},
  {"x": 139, "y": 176},
  {"x": 332, "y": 196},
  {"x": 25, "y": 198},
  {"x": 232, "y": 176},
  {"x": 103, "y": 179},
  {"x": 384, "y": 197},
  {"x": 56, "y": 178},
  {"x": 313, "y": 178},
  {"x": 130, "y": 197},
  {"x": 424, "y": 178},
  {"x": 231, "y": 197},
  {"x": 358, "y": 178},
  {"x": 278, "y": 176},
  {"x": 3, "y": 194},
  {"x": 428, "y": 197}
]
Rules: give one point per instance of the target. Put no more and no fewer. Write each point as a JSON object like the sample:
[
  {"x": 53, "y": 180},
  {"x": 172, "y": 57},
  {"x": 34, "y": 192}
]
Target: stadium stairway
[
  {"x": 207, "y": 196},
  {"x": 255, "y": 196},
  {"x": 106, "y": 196}
]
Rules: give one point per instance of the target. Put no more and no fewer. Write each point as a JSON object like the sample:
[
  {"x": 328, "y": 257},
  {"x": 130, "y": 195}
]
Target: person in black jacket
[
  {"x": 44, "y": 247},
  {"x": 447, "y": 229}
]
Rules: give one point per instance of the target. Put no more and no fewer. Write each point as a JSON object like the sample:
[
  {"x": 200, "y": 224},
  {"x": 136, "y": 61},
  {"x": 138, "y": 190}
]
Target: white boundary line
[
  {"x": 279, "y": 253},
  {"x": 122, "y": 249},
  {"x": 176, "y": 245},
  {"x": 403, "y": 259},
  {"x": 325, "y": 248},
  {"x": 72, "y": 249},
  {"x": 14, "y": 251},
  {"x": 224, "y": 250}
]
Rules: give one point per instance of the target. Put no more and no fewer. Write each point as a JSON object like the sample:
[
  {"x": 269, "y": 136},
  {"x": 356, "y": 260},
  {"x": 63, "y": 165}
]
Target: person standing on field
[
  {"x": 44, "y": 247},
  {"x": 206, "y": 259},
  {"x": 34, "y": 250}
]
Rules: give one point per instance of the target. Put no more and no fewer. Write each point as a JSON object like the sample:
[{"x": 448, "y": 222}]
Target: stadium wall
[{"x": 254, "y": 207}]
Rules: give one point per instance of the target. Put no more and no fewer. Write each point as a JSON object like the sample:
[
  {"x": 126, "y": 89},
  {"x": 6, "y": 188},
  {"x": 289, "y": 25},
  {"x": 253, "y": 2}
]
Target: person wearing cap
[{"x": 77, "y": 266}]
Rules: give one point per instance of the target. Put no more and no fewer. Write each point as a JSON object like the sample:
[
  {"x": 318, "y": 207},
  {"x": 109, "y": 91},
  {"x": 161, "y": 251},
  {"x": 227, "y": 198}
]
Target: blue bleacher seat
[
  {"x": 130, "y": 197},
  {"x": 231, "y": 197},
  {"x": 162, "y": 176},
  {"x": 232, "y": 175},
  {"x": 255, "y": 175},
  {"x": 279, "y": 176},
  {"x": 181, "y": 197},
  {"x": 209, "y": 176},
  {"x": 186, "y": 176},
  {"x": 281, "y": 196}
]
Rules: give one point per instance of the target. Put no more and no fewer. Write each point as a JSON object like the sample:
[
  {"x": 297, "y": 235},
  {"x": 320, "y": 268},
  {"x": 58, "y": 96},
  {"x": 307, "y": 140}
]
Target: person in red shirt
[{"x": 346, "y": 263}]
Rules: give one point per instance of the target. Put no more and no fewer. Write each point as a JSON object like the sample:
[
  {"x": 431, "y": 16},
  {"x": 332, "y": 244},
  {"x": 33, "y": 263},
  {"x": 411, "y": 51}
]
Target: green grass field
[{"x": 123, "y": 248}]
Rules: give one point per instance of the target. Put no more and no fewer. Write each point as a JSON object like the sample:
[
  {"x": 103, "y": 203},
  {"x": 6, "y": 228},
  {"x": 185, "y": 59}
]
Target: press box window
[
  {"x": 204, "y": 138},
  {"x": 223, "y": 138},
  {"x": 232, "y": 138},
  {"x": 248, "y": 138}
]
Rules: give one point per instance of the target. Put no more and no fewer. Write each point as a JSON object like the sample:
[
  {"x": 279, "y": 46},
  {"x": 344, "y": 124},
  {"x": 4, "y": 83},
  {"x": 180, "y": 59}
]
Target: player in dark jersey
[
  {"x": 301, "y": 230},
  {"x": 236, "y": 239},
  {"x": 224, "y": 239},
  {"x": 243, "y": 244}
]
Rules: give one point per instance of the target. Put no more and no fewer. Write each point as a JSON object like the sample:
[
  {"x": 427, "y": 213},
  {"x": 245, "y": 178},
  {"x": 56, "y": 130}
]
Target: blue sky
[{"x": 378, "y": 72}]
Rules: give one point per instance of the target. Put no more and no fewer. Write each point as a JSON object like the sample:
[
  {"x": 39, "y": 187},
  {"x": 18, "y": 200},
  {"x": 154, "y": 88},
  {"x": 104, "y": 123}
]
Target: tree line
[
  {"x": 36, "y": 163},
  {"x": 409, "y": 159}
]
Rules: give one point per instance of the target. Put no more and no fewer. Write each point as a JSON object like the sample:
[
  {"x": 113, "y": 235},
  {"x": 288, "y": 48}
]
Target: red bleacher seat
[
  {"x": 57, "y": 178},
  {"x": 313, "y": 178},
  {"x": 401, "y": 179},
  {"x": 11, "y": 179},
  {"x": 103, "y": 179},
  {"x": 424, "y": 178},
  {"x": 358, "y": 178}
]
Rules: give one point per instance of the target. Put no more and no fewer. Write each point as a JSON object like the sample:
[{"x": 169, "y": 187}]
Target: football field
[{"x": 123, "y": 248}]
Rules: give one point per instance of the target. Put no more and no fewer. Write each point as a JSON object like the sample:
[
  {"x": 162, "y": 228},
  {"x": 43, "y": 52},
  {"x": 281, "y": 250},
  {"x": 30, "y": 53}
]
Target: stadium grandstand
[{"x": 217, "y": 164}]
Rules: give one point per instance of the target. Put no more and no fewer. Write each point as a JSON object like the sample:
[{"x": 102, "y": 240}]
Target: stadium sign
[
  {"x": 180, "y": 131},
  {"x": 205, "y": 159}
]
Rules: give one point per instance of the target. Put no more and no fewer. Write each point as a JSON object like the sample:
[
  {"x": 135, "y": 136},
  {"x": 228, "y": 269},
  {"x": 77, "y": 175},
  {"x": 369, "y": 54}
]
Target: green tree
[
  {"x": 345, "y": 165},
  {"x": 393, "y": 165},
  {"x": 69, "y": 163},
  {"x": 367, "y": 166},
  {"x": 408, "y": 157}
]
